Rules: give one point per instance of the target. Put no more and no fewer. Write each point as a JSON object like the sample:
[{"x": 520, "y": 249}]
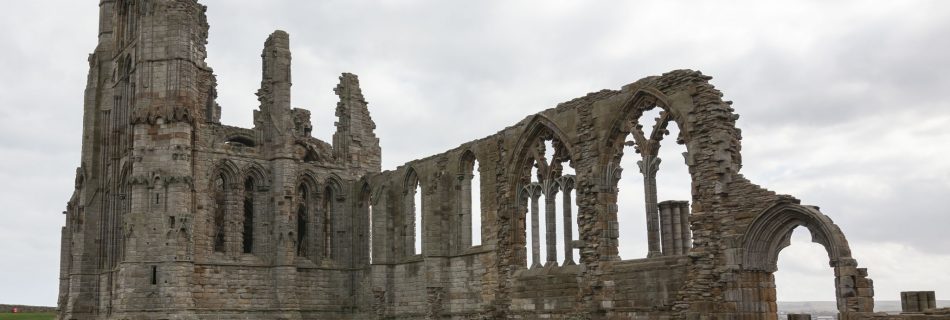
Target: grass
[{"x": 28, "y": 316}]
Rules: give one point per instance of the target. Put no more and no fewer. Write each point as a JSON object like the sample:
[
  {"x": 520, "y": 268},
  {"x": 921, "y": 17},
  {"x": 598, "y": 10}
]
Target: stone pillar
[
  {"x": 648, "y": 167},
  {"x": 677, "y": 226},
  {"x": 550, "y": 227},
  {"x": 799, "y": 316},
  {"x": 685, "y": 237},
  {"x": 666, "y": 225},
  {"x": 535, "y": 230},
  {"x": 567, "y": 184},
  {"x": 917, "y": 301}
]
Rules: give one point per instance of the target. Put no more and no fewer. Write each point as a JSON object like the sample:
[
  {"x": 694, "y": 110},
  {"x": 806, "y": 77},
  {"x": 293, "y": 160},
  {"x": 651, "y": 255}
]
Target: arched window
[
  {"x": 667, "y": 220},
  {"x": 328, "y": 212},
  {"x": 365, "y": 244},
  {"x": 475, "y": 196},
  {"x": 413, "y": 227},
  {"x": 547, "y": 183},
  {"x": 470, "y": 212},
  {"x": 220, "y": 212},
  {"x": 303, "y": 211},
  {"x": 248, "y": 243}
]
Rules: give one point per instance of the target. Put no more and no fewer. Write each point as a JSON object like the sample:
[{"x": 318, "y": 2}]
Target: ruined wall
[{"x": 176, "y": 215}]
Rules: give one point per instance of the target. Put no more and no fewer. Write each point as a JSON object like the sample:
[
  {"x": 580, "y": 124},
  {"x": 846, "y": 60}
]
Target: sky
[{"x": 843, "y": 104}]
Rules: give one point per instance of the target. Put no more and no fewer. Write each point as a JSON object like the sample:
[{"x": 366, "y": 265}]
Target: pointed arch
[
  {"x": 771, "y": 231},
  {"x": 306, "y": 191},
  {"x": 223, "y": 181},
  {"x": 364, "y": 223},
  {"x": 469, "y": 217},
  {"x": 334, "y": 182},
  {"x": 260, "y": 175},
  {"x": 228, "y": 170},
  {"x": 536, "y": 127},
  {"x": 531, "y": 151},
  {"x": 414, "y": 217}
]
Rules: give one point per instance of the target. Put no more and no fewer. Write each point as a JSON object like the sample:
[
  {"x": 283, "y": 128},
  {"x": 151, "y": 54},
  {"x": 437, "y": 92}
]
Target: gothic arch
[
  {"x": 305, "y": 190},
  {"x": 229, "y": 171},
  {"x": 466, "y": 161},
  {"x": 411, "y": 226},
  {"x": 771, "y": 231},
  {"x": 411, "y": 179},
  {"x": 222, "y": 194},
  {"x": 534, "y": 129},
  {"x": 539, "y": 128},
  {"x": 336, "y": 184},
  {"x": 260, "y": 175},
  {"x": 644, "y": 99}
]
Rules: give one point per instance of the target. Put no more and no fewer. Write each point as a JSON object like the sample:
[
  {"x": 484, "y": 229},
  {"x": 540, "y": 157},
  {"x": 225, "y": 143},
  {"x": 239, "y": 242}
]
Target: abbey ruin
[{"x": 178, "y": 216}]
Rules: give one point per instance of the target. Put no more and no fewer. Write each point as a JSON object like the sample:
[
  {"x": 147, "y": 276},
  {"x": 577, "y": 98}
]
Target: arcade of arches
[{"x": 177, "y": 216}]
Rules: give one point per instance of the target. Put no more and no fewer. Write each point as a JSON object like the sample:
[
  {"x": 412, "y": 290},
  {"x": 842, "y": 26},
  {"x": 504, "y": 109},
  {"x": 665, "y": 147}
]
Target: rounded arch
[
  {"x": 771, "y": 232},
  {"x": 242, "y": 138}
]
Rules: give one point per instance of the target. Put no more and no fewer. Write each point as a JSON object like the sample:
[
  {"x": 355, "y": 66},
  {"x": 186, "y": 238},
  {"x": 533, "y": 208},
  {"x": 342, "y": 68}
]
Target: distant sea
[{"x": 830, "y": 308}]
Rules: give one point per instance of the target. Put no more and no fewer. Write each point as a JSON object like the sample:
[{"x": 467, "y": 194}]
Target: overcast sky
[{"x": 844, "y": 104}]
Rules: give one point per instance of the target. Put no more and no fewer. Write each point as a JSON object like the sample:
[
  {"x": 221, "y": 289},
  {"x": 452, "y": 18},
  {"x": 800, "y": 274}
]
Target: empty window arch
[
  {"x": 549, "y": 231},
  {"x": 220, "y": 212},
  {"x": 413, "y": 230},
  {"x": 248, "y": 223},
  {"x": 470, "y": 209},
  {"x": 303, "y": 213},
  {"x": 642, "y": 186}
]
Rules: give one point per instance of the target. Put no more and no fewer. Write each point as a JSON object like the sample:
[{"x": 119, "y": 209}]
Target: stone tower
[{"x": 142, "y": 232}]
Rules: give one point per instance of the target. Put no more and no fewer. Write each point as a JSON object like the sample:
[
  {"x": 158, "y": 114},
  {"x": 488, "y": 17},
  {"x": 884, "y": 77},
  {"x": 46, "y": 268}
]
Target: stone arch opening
[
  {"x": 364, "y": 244},
  {"x": 303, "y": 213},
  {"x": 331, "y": 198},
  {"x": 771, "y": 231},
  {"x": 469, "y": 220},
  {"x": 413, "y": 225},
  {"x": 633, "y": 151},
  {"x": 223, "y": 182},
  {"x": 250, "y": 187},
  {"x": 543, "y": 160},
  {"x": 800, "y": 274}
]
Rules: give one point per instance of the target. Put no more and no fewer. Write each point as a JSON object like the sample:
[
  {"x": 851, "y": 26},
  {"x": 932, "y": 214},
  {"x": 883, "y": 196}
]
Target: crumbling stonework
[{"x": 177, "y": 216}]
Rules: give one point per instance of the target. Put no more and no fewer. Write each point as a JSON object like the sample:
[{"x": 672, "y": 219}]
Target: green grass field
[{"x": 28, "y": 316}]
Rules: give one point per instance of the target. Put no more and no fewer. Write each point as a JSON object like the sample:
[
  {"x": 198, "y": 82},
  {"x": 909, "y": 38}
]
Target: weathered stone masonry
[{"x": 177, "y": 216}]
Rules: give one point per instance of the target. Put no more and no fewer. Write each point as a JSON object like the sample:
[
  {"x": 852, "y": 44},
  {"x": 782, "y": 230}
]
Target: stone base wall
[{"x": 643, "y": 288}]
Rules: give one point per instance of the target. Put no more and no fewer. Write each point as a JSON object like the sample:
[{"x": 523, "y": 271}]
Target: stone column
[
  {"x": 917, "y": 301},
  {"x": 677, "y": 228},
  {"x": 567, "y": 184},
  {"x": 666, "y": 225},
  {"x": 550, "y": 226},
  {"x": 685, "y": 237},
  {"x": 535, "y": 229},
  {"x": 648, "y": 167}
]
